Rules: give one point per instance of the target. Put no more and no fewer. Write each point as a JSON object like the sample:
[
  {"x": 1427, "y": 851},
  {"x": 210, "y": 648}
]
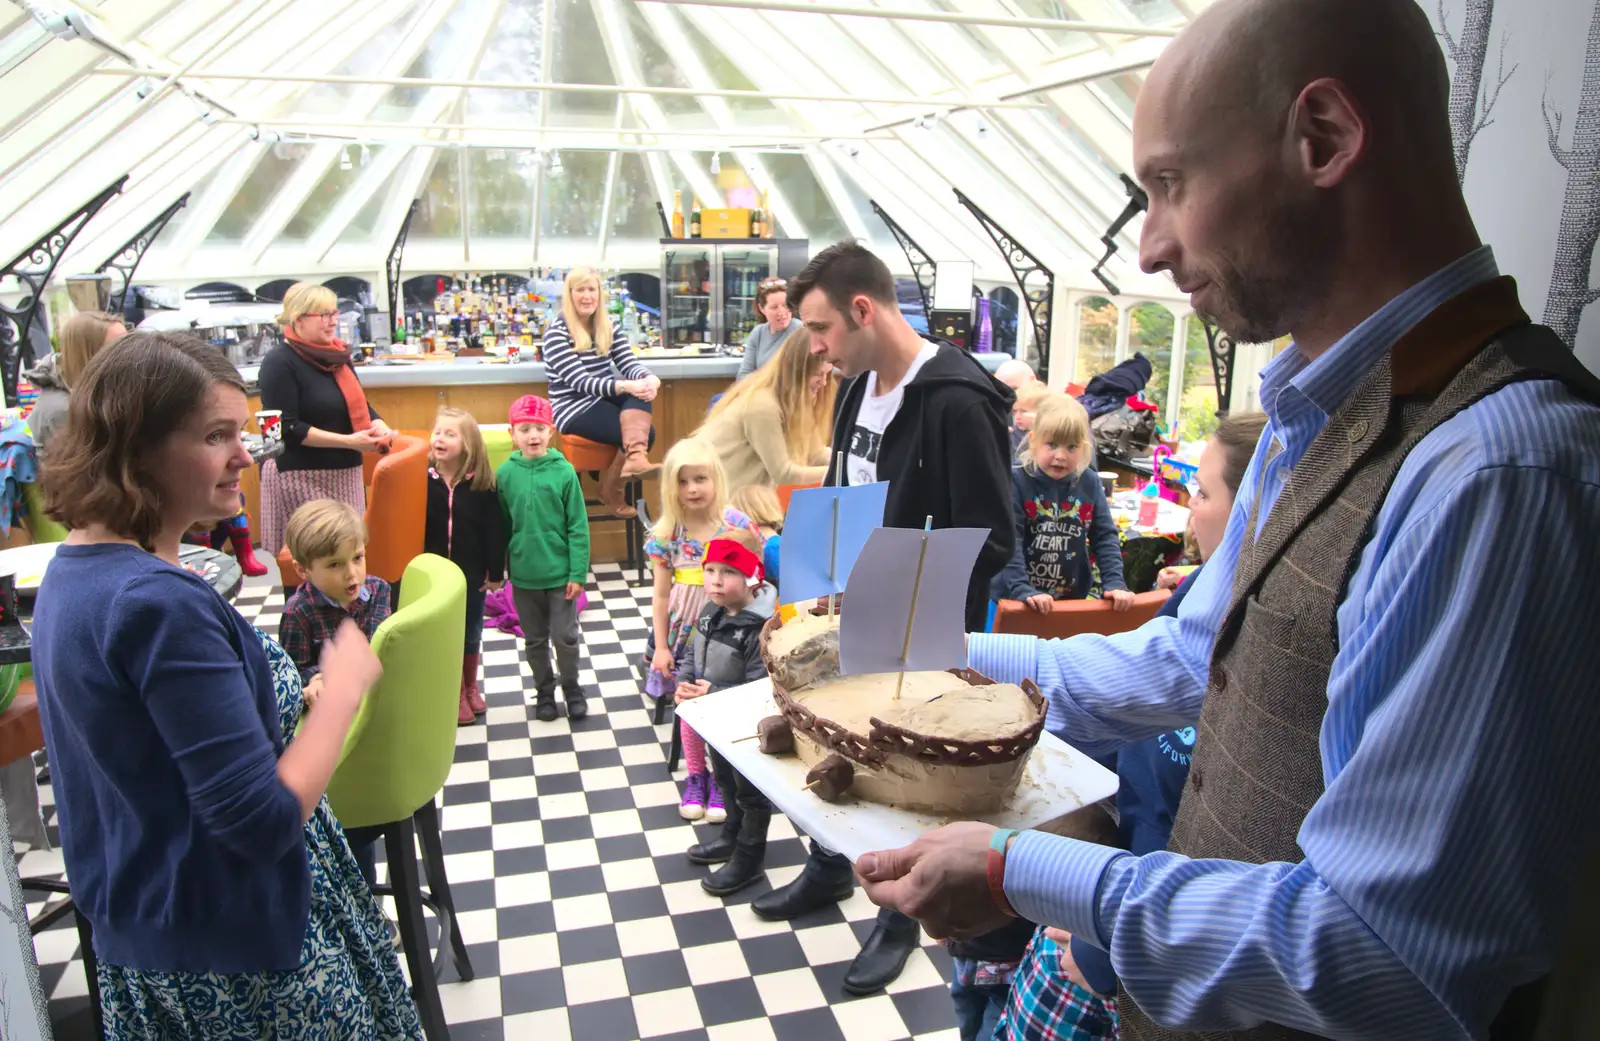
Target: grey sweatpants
[{"x": 547, "y": 617}]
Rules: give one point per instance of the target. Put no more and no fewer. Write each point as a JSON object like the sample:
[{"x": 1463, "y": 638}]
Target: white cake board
[{"x": 1058, "y": 780}]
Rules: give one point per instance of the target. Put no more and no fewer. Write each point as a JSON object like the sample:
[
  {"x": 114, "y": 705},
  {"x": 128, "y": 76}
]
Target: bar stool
[{"x": 593, "y": 458}]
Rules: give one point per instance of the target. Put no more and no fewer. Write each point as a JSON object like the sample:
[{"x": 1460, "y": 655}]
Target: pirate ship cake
[{"x": 877, "y": 700}]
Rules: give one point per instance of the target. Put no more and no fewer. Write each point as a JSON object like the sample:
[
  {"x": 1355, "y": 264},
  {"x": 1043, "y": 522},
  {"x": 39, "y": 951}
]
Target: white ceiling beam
[
  {"x": 924, "y": 15},
  {"x": 309, "y": 174}
]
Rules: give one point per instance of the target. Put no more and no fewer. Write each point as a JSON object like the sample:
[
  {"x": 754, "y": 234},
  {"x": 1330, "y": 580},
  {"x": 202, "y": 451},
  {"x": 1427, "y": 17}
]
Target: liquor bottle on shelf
[
  {"x": 766, "y": 217},
  {"x": 755, "y": 223},
  {"x": 694, "y": 219},
  {"x": 677, "y": 214}
]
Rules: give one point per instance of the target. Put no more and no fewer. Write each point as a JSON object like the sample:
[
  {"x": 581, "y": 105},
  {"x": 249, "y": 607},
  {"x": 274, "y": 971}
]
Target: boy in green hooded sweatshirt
[{"x": 549, "y": 525}]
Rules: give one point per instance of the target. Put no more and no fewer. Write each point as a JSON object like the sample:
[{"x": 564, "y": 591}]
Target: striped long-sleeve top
[
  {"x": 577, "y": 381},
  {"x": 1458, "y": 748}
]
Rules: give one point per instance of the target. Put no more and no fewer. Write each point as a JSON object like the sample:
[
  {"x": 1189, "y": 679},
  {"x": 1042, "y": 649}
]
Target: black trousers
[
  {"x": 602, "y": 421},
  {"x": 741, "y": 798}
]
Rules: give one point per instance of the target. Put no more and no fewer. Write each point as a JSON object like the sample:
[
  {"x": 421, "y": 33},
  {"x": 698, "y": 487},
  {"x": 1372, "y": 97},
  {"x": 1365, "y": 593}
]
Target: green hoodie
[{"x": 549, "y": 524}]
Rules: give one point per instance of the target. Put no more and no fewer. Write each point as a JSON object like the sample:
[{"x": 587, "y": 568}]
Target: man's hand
[
  {"x": 941, "y": 880},
  {"x": 1169, "y": 578},
  {"x": 1120, "y": 599},
  {"x": 1063, "y": 939},
  {"x": 573, "y": 589},
  {"x": 494, "y": 587},
  {"x": 1043, "y": 603}
]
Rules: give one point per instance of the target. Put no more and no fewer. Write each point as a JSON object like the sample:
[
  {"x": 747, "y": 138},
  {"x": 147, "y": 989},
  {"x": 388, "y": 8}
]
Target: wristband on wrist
[{"x": 996, "y": 869}]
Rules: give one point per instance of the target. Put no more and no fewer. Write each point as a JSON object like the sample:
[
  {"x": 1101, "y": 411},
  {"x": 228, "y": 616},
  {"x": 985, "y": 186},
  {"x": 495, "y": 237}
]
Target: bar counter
[{"x": 408, "y": 395}]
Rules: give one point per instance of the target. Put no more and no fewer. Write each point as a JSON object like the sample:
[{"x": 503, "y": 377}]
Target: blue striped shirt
[
  {"x": 1462, "y": 785},
  {"x": 579, "y": 380}
]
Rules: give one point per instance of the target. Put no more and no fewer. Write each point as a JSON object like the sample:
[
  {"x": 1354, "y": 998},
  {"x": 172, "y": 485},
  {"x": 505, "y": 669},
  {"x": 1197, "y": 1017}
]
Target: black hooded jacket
[{"x": 947, "y": 455}]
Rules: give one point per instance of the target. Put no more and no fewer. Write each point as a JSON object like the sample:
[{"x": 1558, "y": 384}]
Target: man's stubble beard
[{"x": 1261, "y": 298}]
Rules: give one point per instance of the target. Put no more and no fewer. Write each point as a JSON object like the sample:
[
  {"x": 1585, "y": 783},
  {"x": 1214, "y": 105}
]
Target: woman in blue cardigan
[{"x": 223, "y": 899}]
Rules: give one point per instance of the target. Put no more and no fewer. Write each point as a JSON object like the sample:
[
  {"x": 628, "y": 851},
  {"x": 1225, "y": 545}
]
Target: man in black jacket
[{"x": 927, "y": 418}]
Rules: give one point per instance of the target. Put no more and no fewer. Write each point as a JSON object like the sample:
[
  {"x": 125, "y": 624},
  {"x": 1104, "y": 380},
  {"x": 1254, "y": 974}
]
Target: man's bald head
[
  {"x": 1286, "y": 146},
  {"x": 1015, "y": 373}
]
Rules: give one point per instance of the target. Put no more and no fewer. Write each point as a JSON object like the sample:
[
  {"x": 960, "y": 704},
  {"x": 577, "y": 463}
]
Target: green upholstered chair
[
  {"x": 396, "y": 760},
  {"x": 40, "y": 524},
  {"x": 497, "y": 439}
]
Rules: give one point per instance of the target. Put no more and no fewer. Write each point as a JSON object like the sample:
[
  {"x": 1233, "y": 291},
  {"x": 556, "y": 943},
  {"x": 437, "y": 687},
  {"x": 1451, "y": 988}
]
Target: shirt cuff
[
  {"x": 1007, "y": 658},
  {"x": 1056, "y": 882}
]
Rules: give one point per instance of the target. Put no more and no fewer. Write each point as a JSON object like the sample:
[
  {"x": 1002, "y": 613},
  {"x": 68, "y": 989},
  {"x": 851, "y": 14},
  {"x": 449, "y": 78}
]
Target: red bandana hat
[
  {"x": 734, "y": 555},
  {"x": 530, "y": 408}
]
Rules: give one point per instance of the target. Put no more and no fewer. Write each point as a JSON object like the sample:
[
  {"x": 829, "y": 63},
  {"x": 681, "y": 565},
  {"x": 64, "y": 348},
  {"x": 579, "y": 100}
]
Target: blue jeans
[
  {"x": 475, "y": 598},
  {"x": 979, "y": 1006}
]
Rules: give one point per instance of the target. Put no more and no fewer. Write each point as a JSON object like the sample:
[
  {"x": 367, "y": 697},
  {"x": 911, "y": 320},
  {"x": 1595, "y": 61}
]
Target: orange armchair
[
  {"x": 1073, "y": 617},
  {"x": 397, "y": 511}
]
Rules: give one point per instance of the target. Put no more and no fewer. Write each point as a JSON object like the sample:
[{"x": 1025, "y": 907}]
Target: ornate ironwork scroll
[
  {"x": 1037, "y": 282},
  {"x": 1138, "y": 202},
  {"x": 1222, "y": 350},
  {"x": 922, "y": 266},
  {"x": 33, "y": 268},
  {"x": 125, "y": 261},
  {"x": 391, "y": 267}
]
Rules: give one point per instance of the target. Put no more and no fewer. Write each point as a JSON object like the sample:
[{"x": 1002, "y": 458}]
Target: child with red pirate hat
[{"x": 726, "y": 651}]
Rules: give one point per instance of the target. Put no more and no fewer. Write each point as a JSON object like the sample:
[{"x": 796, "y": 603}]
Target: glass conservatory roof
[{"x": 547, "y": 132}]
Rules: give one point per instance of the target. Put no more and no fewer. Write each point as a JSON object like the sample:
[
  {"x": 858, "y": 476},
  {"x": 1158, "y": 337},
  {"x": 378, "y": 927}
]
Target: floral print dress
[
  {"x": 348, "y": 985},
  {"x": 686, "y": 556}
]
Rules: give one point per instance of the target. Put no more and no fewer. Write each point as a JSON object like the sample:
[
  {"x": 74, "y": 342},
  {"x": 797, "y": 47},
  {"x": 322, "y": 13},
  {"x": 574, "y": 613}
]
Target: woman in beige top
[{"x": 772, "y": 427}]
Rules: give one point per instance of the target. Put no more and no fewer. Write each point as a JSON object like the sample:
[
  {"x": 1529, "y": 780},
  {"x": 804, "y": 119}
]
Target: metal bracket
[
  {"x": 1222, "y": 350},
  {"x": 33, "y": 268},
  {"x": 391, "y": 266},
  {"x": 1138, "y": 202},
  {"x": 923, "y": 268},
  {"x": 125, "y": 261},
  {"x": 1037, "y": 282}
]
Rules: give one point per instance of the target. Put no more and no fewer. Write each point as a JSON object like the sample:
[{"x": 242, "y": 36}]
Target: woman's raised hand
[{"x": 349, "y": 669}]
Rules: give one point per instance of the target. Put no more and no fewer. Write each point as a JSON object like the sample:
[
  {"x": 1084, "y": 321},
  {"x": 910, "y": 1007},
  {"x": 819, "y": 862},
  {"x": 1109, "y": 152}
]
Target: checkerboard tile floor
[{"x": 582, "y": 916}]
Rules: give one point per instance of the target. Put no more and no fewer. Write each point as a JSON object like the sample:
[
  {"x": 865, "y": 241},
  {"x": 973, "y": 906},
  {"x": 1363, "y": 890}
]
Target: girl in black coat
[{"x": 464, "y": 525}]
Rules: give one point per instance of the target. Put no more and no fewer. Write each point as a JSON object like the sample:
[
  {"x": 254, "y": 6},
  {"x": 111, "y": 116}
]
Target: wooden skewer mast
[
  {"x": 911, "y": 615},
  {"x": 833, "y": 545}
]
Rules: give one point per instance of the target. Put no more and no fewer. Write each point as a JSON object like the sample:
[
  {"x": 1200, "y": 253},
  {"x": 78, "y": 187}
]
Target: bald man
[
  {"x": 1390, "y": 661},
  {"x": 1015, "y": 373}
]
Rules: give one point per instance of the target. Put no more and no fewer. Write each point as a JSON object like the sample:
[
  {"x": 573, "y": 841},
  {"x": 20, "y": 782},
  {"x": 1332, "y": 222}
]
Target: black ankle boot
[
  {"x": 884, "y": 954},
  {"x": 716, "y": 851},
  {"x": 808, "y": 893},
  {"x": 743, "y": 868},
  {"x": 577, "y": 702},
  {"x": 545, "y": 707}
]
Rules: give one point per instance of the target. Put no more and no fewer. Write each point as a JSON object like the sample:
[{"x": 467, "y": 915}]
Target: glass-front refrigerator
[
  {"x": 687, "y": 284},
  {"x": 742, "y": 270},
  {"x": 708, "y": 288}
]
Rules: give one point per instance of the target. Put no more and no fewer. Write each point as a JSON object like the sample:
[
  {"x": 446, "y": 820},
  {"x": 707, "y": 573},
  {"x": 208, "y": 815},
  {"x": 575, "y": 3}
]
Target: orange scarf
[{"x": 335, "y": 359}]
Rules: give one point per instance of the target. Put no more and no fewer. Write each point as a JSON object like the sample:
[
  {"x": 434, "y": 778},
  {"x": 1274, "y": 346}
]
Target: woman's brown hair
[
  {"x": 766, "y": 289},
  {"x": 80, "y": 340},
  {"x": 129, "y": 400},
  {"x": 807, "y": 423},
  {"x": 1238, "y": 435}
]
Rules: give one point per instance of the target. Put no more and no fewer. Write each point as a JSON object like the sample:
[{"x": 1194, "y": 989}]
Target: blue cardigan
[
  {"x": 1151, "y": 775},
  {"x": 185, "y": 851}
]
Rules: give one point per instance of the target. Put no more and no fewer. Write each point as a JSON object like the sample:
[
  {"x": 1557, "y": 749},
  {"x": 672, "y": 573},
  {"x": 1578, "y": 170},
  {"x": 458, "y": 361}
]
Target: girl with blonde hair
[
  {"x": 328, "y": 424},
  {"x": 465, "y": 524},
  {"x": 1060, "y": 512},
  {"x": 771, "y": 428},
  {"x": 598, "y": 389},
  {"x": 694, "y": 510}
]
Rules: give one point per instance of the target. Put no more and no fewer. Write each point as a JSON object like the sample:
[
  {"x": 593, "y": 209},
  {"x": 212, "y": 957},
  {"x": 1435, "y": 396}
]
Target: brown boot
[
  {"x": 636, "y": 444},
  {"x": 611, "y": 489},
  {"x": 465, "y": 717},
  {"x": 469, "y": 682}
]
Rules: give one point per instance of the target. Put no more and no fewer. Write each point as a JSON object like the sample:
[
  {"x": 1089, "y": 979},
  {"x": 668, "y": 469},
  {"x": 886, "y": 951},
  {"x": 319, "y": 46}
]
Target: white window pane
[
  {"x": 439, "y": 216},
  {"x": 578, "y": 55},
  {"x": 271, "y": 171},
  {"x": 500, "y": 186}
]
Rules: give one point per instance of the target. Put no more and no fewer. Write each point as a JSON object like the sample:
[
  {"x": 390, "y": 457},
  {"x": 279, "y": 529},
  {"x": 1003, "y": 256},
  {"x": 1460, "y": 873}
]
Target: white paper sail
[{"x": 905, "y": 604}]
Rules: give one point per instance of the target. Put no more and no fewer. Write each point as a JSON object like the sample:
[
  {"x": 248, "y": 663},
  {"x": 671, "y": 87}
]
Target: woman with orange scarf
[{"x": 327, "y": 422}]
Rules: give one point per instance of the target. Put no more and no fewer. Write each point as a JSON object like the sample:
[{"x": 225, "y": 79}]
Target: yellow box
[{"x": 725, "y": 224}]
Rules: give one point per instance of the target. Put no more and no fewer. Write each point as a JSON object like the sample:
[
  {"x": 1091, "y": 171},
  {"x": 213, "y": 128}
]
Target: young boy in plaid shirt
[{"x": 328, "y": 541}]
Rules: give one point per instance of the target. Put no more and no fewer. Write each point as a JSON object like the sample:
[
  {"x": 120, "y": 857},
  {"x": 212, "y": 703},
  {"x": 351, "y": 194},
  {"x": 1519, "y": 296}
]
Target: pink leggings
[{"x": 694, "y": 750}]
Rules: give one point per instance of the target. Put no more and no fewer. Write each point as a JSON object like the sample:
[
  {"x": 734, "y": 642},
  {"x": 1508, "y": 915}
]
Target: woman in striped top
[{"x": 598, "y": 389}]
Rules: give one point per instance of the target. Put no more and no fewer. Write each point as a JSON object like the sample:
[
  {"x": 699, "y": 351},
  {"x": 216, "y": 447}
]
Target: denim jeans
[{"x": 979, "y": 1006}]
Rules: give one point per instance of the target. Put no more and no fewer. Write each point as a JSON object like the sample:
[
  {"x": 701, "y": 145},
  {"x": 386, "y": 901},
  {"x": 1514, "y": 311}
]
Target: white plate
[
  {"x": 28, "y": 563},
  {"x": 1058, "y": 779}
]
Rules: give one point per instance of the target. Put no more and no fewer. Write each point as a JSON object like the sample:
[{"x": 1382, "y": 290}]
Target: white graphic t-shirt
[{"x": 873, "y": 418}]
